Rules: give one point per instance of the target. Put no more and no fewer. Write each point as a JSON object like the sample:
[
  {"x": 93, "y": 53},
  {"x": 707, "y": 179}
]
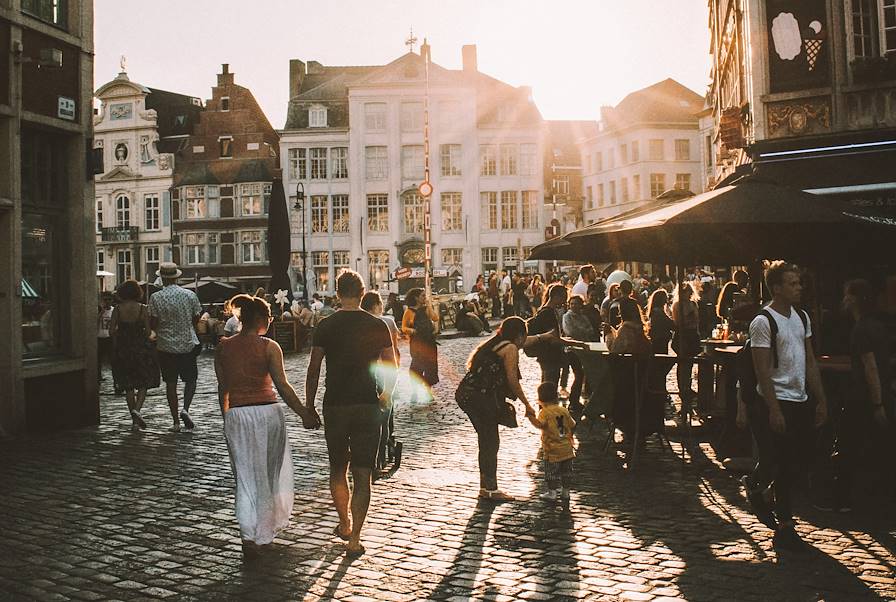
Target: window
[
  {"x": 320, "y": 265},
  {"x": 489, "y": 259},
  {"x": 489, "y": 202},
  {"x": 151, "y": 212},
  {"x": 530, "y": 209},
  {"x": 600, "y": 195},
  {"x": 152, "y": 262},
  {"x": 122, "y": 212},
  {"x": 589, "y": 197},
  {"x": 318, "y": 158},
  {"x": 611, "y": 158},
  {"x": 655, "y": 150},
  {"x": 317, "y": 117},
  {"x": 250, "y": 246},
  {"x": 623, "y": 183},
  {"x": 588, "y": 164},
  {"x": 378, "y": 212},
  {"x": 452, "y": 219},
  {"x": 528, "y": 159},
  {"x": 194, "y": 201},
  {"x": 412, "y": 117},
  {"x": 657, "y": 184},
  {"x": 707, "y": 144},
  {"x": 225, "y": 103},
  {"x": 623, "y": 154},
  {"x": 124, "y": 264},
  {"x": 376, "y": 161},
  {"x": 225, "y": 146},
  {"x": 212, "y": 248},
  {"x": 510, "y": 159},
  {"x": 339, "y": 159},
  {"x": 682, "y": 181},
  {"x": 298, "y": 163},
  {"x": 683, "y": 150},
  {"x": 509, "y": 210},
  {"x": 51, "y": 11},
  {"x": 378, "y": 268},
  {"x": 194, "y": 247},
  {"x": 509, "y": 256},
  {"x": 340, "y": 262},
  {"x": 889, "y": 20},
  {"x": 452, "y": 257},
  {"x": 228, "y": 248},
  {"x": 250, "y": 199},
  {"x": 560, "y": 185},
  {"x": 488, "y": 162},
  {"x": 636, "y": 187},
  {"x": 450, "y": 156},
  {"x": 340, "y": 213},
  {"x": 412, "y": 162},
  {"x": 319, "y": 218},
  {"x": 413, "y": 206},
  {"x": 375, "y": 116},
  {"x": 598, "y": 161},
  {"x": 636, "y": 151},
  {"x": 100, "y": 260},
  {"x": 99, "y": 214},
  {"x": 613, "y": 192}
]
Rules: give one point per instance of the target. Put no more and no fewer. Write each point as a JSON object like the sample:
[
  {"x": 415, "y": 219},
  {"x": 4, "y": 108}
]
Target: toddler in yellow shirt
[{"x": 556, "y": 427}]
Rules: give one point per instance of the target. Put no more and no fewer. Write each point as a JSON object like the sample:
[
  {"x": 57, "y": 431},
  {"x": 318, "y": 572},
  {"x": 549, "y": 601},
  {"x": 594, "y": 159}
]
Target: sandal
[
  {"x": 495, "y": 495},
  {"x": 339, "y": 534},
  {"x": 354, "y": 552}
]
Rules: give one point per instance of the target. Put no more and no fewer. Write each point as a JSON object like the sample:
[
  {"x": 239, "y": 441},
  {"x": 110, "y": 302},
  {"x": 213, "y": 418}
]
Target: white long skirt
[{"x": 262, "y": 465}]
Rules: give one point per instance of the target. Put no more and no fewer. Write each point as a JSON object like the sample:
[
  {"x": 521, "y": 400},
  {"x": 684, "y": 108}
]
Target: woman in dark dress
[
  {"x": 133, "y": 356},
  {"x": 417, "y": 323}
]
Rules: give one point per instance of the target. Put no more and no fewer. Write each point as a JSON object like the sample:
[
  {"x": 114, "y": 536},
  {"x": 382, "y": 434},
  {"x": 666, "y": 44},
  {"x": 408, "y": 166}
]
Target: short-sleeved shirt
[
  {"x": 580, "y": 288},
  {"x": 789, "y": 378},
  {"x": 352, "y": 342},
  {"x": 556, "y": 433},
  {"x": 869, "y": 336},
  {"x": 175, "y": 307}
]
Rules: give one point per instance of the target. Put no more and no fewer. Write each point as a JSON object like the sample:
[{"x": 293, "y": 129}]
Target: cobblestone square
[{"x": 107, "y": 514}]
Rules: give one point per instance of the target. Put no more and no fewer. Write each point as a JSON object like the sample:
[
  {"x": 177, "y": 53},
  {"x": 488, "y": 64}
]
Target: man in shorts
[
  {"x": 352, "y": 341},
  {"x": 174, "y": 313}
]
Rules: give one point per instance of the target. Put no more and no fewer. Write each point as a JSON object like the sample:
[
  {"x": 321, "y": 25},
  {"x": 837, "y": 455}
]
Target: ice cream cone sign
[{"x": 813, "y": 44}]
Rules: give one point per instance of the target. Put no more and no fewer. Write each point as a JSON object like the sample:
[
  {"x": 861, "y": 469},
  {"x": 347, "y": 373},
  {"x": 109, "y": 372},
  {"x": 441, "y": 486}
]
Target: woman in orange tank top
[{"x": 249, "y": 367}]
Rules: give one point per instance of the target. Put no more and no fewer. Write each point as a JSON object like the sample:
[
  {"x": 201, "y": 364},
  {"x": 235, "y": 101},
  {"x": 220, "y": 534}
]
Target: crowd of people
[{"x": 781, "y": 398}]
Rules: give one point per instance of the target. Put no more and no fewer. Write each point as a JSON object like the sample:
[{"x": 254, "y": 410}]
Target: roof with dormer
[
  {"x": 331, "y": 85},
  {"x": 664, "y": 102}
]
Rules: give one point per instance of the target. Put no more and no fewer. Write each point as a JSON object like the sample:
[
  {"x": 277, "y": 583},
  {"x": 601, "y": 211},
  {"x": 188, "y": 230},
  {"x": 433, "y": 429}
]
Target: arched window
[
  {"x": 413, "y": 210},
  {"x": 122, "y": 212}
]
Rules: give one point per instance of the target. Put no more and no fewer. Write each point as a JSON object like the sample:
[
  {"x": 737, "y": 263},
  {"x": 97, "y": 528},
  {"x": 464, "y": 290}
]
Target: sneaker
[
  {"x": 786, "y": 538},
  {"x": 174, "y": 428},
  {"x": 759, "y": 505},
  {"x": 551, "y": 495},
  {"x": 188, "y": 422},
  {"x": 138, "y": 419}
]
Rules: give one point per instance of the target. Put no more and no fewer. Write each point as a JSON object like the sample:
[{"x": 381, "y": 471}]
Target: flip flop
[
  {"x": 338, "y": 534},
  {"x": 359, "y": 551}
]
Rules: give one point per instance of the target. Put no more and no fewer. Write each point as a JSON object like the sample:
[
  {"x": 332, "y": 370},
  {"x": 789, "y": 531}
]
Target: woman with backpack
[{"x": 493, "y": 375}]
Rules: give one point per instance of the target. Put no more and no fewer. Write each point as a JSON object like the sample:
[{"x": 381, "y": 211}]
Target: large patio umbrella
[
  {"x": 279, "y": 243},
  {"x": 212, "y": 291},
  {"x": 737, "y": 224}
]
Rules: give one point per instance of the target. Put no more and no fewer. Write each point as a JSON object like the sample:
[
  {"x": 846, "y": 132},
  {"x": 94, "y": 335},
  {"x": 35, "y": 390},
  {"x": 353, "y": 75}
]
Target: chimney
[
  {"x": 469, "y": 58},
  {"x": 225, "y": 78},
  {"x": 296, "y": 76}
]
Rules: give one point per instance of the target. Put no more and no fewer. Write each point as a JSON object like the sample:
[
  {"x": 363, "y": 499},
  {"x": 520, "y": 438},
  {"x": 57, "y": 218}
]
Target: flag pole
[{"x": 426, "y": 187}]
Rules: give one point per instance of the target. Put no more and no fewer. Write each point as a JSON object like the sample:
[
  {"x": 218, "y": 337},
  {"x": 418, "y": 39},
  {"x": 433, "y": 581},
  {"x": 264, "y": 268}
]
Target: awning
[{"x": 752, "y": 219}]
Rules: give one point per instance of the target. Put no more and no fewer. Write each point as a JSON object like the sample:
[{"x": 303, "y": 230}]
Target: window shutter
[{"x": 166, "y": 208}]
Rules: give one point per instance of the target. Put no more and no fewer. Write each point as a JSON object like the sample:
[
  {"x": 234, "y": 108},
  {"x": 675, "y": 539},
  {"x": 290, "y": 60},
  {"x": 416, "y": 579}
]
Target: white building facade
[
  {"x": 649, "y": 143},
  {"x": 355, "y": 142},
  {"x": 133, "y": 221}
]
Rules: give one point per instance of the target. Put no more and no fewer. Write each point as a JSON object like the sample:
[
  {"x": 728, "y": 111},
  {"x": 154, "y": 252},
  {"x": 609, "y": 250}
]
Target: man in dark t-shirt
[{"x": 352, "y": 341}]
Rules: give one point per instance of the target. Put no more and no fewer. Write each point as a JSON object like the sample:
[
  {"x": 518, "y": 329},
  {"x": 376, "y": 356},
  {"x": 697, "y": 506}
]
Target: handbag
[{"x": 506, "y": 414}]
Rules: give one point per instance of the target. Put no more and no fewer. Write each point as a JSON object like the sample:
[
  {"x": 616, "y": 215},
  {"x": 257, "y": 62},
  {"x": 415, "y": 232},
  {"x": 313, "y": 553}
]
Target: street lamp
[{"x": 300, "y": 206}]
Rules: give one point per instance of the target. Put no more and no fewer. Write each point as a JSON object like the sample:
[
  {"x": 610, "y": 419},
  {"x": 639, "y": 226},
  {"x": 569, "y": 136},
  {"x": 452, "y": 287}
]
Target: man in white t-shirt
[
  {"x": 783, "y": 415},
  {"x": 586, "y": 277}
]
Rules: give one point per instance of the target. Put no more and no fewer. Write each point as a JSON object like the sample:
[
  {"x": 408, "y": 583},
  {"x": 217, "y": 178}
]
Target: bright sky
[{"x": 576, "y": 54}]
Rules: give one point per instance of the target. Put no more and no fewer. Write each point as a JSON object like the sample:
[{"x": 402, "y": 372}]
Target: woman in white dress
[{"x": 248, "y": 367}]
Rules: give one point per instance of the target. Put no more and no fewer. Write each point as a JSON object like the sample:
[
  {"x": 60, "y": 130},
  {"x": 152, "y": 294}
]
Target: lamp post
[{"x": 300, "y": 205}]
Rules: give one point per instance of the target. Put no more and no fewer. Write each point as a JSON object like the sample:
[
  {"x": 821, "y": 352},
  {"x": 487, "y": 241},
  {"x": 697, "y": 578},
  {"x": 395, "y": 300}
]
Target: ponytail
[{"x": 250, "y": 310}]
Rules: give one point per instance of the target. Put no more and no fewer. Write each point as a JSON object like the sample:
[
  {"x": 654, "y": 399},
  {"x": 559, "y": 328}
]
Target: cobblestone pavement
[{"x": 104, "y": 514}]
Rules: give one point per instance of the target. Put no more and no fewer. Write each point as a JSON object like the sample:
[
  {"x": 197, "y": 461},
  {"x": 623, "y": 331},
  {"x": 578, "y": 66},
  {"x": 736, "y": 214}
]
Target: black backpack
[
  {"x": 481, "y": 383},
  {"x": 746, "y": 370}
]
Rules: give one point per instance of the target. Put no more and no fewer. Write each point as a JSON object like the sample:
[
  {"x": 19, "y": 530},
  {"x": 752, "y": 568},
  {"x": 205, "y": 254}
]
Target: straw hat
[{"x": 168, "y": 269}]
